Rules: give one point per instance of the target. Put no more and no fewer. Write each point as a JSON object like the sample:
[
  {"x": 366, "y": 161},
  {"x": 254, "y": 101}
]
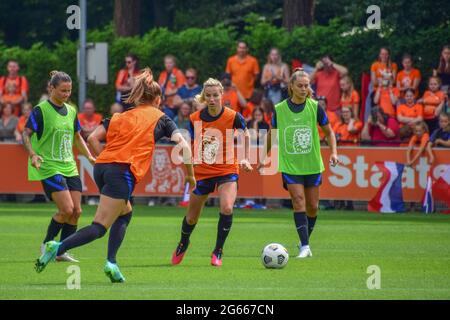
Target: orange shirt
[
  {"x": 411, "y": 112},
  {"x": 21, "y": 124},
  {"x": 123, "y": 75},
  {"x": 230, "y": 99},
  {"x": 268, "y": 118},
  {"x": 248, "y": 110},
  {"x": 130, "y": 139},
  {"x": 90, "y": 124},
  {"x": 213, "y": 156},
  {"x": 351, "y": 101},
  {"x": 177, "y": 80},
  {"x": 15, "y": 86},
  {"x": 341, "y": 129},
  {"x": 327, "y": 84},
  {"x": 332, "y": 119},
  {"x": 385, "y": 100},
  {"x": 431, "y": 100},
  {"x": 422, "y": 140},
  {"x": 406, "y": 80},
  {"x": 243, "y": 73},
  {"x": 382, "y": 71}
]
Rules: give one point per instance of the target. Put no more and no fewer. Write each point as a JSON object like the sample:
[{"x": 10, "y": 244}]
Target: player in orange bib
[
  {"x": 126, "y": 158},
  {"x": 215, "y": 166}
]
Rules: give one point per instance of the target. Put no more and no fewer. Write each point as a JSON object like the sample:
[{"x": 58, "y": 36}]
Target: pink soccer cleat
[
  {"x": 216, "y": 259},
  {"x": 178, "y": 254}
]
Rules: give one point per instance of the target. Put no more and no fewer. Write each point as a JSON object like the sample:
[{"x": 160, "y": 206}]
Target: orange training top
[
  {"x": 213, "y": 156},
  {"x": 130, "y": 139}
]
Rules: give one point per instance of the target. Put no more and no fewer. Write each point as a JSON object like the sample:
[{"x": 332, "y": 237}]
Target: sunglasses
[
  {"x": 190, "y": 78},
  {"x": 128, "y": 61}
]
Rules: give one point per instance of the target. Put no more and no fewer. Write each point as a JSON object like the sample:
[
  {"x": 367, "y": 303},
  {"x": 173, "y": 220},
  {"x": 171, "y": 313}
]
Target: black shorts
[
  {"x": 114, "y": 180},
  {"x": 58, "y": 182},
  {"x": 206, "y": 186},
  {"x": 307, "y": 180}
]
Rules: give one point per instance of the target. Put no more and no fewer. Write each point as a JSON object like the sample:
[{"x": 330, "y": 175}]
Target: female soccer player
[
  {"x": 126, "y": 158},
  {"x": 218, "y": 166},
  {"x": 299, "y": 158},
  {"x": 50, "y": 132}
]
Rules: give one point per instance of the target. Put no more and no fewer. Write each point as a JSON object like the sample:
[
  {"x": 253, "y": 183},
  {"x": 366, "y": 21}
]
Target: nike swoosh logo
[{"x": 226, "y": 229}]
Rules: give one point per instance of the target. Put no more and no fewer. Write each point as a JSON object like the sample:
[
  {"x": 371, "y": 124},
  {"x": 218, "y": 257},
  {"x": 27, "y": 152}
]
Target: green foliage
[{"x": 208, "y": 49}]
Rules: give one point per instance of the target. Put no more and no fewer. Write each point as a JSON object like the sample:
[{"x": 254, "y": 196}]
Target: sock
[
  {"x": 117, "y": 234},
  {"x": 53, "y": 230},
  {"x": 301, "y": 223},
  {"x": 82, "y": 237},
  {"x": 311, "y": 224},
  {"x": 67, "y": 231},
  {"x": 223, "y": 229},
  {"x": 186, "y": 230}
]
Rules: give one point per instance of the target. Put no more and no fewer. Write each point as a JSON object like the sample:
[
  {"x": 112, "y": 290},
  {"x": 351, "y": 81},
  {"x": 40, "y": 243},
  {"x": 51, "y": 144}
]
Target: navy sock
[
  {"x": 301, "y": 223},
  {"x": 311, "y": 224},
  {"x": 82, "y": 237},
  {"x": 117, "y": 234},
  {"x": 68, "y": 230},
  {"x": 53, "y": 229},
  {"x": 223, "y": 229},
  {"x": 186, "y": 230}
]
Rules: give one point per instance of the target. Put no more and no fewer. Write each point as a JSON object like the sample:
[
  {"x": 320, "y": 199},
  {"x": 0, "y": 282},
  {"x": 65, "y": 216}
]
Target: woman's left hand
[
  {"x": 334, "y": 160},
  {"x": 92, "y": 160}
]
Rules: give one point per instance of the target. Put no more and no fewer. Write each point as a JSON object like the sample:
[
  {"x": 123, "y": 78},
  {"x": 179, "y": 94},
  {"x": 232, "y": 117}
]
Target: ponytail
[{"x": 145, "y": 89}]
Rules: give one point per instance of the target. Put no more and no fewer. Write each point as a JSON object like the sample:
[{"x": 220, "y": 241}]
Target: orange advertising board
[{"x": 356, "y": 178}]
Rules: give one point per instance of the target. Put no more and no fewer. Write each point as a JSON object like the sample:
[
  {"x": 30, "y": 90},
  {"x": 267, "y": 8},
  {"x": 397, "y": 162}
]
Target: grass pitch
[{"x": 411, "y": 250}]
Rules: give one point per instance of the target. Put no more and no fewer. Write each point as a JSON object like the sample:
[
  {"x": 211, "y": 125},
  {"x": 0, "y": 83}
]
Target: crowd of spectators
[{"x": 397, "y": 110}]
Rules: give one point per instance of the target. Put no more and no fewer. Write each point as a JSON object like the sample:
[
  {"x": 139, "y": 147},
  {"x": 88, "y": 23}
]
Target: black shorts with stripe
[
  {"x": 58, "y": 182},
  {"x": 114, "y": 180}
]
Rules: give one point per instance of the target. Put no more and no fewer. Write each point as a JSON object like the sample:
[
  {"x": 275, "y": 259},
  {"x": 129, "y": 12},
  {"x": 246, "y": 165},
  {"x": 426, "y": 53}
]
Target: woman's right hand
[
  {"x": 36, "y": 161},
  {"x": 190, "y": 180}
]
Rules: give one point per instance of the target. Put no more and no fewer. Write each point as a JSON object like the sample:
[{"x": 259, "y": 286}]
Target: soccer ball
[{"x": 274, "y": 256}]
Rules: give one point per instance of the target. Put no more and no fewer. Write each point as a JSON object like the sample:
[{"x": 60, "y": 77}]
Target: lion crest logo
[
  {"x": 210, "y": 148},
  {"x": 298, "y": 139},
  {"x": 165, "y": 176}
]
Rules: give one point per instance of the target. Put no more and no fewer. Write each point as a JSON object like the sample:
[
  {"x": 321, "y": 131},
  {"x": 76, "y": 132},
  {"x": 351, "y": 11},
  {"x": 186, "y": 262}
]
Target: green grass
[{"x": 412, "y": 250}]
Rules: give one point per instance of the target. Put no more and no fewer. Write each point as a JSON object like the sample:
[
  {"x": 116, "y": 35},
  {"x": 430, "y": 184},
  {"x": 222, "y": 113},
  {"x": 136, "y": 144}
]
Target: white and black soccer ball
[{"x": 274, "y": 256}]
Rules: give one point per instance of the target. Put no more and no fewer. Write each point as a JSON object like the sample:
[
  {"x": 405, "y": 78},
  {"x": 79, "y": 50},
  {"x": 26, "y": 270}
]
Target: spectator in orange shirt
[
  {"x": 409, "y": 77},
  {"x": 275, "y": 76},
  {"x": 26, "y": 111},
  {"x": 89, "y": 119},
  {"x": 349, "y": 96},
  {"x": 433, "y": 101},
  {"x": 332, "y": 116},
  {"x": 170, "y": 80},
  {"x": 125, "y": 77},
  {"x": 386, "y": 96},
  {"x": 383, "y": 68},
  {"x": 252, "y": 104},
  {"x": 268, "y": 109},
  {"x": 408, "y": 114},
  {"x": 326, "y": 77},
  {"x": 13, "y": 87},
  {"x": 232, "y": 97},
  {"x": 348, "y": 128},
  {"x": 421, "y": 137},
  {"x": 243, "y": 69}
]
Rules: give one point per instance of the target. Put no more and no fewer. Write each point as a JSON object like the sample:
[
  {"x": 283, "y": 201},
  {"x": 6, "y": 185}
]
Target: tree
[
  {"x": 298, "y": 13},
  {"x": 127, "y": 17}
]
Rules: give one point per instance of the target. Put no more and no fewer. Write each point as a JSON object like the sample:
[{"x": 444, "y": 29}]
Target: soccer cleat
[
  {"x": 179, "y": 253},
  {"x": 51, "y": 248},
  {"x": 216, "y": 258},
  {"x": 66, "y": 257},
  {"x": 305, "y": 253},
  {"x": 113, "y": 273}
]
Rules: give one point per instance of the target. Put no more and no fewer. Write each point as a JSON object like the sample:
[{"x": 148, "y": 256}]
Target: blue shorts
[
  {"x": 307, "y": 180},
  {"x": 114, "y": 180},
  {"x": 206, "y": 186},
  {"x": 58, "y": 182}
]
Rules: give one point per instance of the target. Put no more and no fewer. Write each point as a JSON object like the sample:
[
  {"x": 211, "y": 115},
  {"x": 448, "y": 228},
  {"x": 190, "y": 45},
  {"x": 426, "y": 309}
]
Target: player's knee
[
  {"x": 298, "y": 201},
  {"x": 227, "y": 209},
  {"x": 312, "y": 209},
  {"x": 67, "y": 210},
  {"x": 76, "y": 214}
]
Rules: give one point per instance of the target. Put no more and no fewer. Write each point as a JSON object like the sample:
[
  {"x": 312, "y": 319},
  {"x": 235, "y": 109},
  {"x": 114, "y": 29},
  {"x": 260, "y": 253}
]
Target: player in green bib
[
  {"x": 299, "y": 158},
  {"x": 49, "y": 135}
]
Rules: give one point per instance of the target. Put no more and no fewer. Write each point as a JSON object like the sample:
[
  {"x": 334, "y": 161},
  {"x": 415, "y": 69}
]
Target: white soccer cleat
[
  {"x": 66, "y": 257},
  {"x": 305, "y": 253}
]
